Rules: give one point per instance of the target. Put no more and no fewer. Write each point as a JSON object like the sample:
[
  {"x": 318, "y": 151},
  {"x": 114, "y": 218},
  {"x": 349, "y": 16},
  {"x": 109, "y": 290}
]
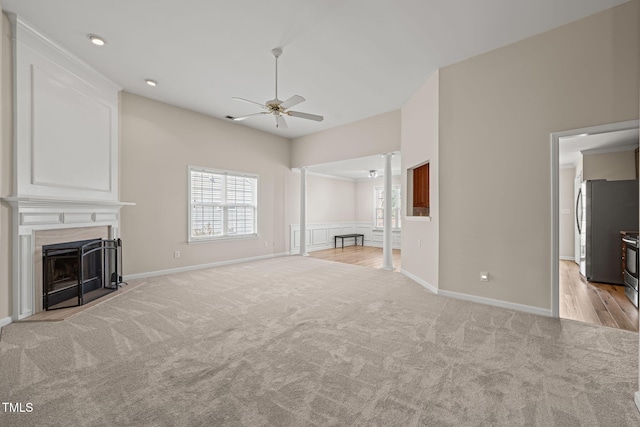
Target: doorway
[
  {"x": 595, "y": 153},
  {"x": 346, "y": 197}
]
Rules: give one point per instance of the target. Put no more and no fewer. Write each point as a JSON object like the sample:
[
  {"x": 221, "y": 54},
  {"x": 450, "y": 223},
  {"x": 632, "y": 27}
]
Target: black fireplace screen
[{"x": 76, "y": 273}]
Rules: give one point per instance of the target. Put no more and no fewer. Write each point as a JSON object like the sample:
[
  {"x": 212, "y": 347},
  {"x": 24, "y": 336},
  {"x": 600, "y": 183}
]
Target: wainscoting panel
[
  {"x": 322, "y": 236},
  {"x": 319, "y": 236},
  {"x": 296, "y": 237},
  {"x": 366, "y": 230}
]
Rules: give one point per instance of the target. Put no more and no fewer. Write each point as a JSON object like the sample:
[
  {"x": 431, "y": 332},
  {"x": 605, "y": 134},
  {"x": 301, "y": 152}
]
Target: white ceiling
[
  {"x": 357, "y": 169},
  {"x": 350, "y": 59},
  {"x": 570, "y": 147}
]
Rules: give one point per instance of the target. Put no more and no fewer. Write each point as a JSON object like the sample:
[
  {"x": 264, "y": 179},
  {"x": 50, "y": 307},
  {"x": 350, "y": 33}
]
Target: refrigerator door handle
[{"x": 578, "y": 199}]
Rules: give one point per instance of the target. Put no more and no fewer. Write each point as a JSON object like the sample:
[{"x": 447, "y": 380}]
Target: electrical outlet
[
  {"x": 484, "y": 276},
  {"x": 176, "y": 254}
]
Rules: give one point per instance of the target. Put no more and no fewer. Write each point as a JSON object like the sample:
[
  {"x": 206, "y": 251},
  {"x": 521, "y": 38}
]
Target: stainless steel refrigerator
[{"x": 603, "y": 209}]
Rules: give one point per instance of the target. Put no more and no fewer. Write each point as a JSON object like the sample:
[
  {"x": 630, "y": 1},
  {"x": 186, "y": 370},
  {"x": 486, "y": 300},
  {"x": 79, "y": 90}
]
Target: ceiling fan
[{"x": 278, "y": 108}]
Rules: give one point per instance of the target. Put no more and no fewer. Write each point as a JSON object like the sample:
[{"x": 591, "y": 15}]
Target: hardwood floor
[
  {"x": 595, "y": 303},
  {"x": 359, "y": 255}
]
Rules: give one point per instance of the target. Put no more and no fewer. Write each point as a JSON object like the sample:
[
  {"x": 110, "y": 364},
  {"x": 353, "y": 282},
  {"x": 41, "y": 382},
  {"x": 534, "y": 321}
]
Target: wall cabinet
[{"x": 421, "y": 190}]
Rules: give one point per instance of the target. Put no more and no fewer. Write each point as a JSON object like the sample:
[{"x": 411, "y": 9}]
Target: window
[
  {"x": 223, "y": 204},
  {"x": 379, "y": 207}
]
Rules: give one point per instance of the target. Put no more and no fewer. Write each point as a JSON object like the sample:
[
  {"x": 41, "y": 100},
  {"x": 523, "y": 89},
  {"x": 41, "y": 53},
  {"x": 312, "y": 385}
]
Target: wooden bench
[{"x": 347, "y": 236}]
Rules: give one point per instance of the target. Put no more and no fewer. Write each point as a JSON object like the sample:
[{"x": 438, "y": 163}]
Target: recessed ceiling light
[
  {"x": 151, "y": 83},
  {"x": 97, "y": 40}
]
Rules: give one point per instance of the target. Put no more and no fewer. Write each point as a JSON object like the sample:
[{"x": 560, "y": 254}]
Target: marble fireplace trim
[{"x": 41, "y": 221}]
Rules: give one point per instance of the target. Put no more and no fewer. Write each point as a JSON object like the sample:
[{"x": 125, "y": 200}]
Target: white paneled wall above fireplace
[{"x": 66, "y": 122}]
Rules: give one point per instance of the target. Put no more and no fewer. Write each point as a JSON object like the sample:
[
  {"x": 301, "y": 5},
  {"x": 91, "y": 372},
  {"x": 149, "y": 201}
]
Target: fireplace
[{"x": 75, "y": 273}]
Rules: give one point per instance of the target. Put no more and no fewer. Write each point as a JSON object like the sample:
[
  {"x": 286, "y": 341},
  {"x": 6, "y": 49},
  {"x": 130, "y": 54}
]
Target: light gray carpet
[{"x": 300, "y": 341}]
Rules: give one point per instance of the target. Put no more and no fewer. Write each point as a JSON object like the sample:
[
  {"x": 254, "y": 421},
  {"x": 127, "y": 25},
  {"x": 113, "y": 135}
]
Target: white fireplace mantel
[
  {"x": 33, "y": 214},
  {"x": 43, "y": 213}
]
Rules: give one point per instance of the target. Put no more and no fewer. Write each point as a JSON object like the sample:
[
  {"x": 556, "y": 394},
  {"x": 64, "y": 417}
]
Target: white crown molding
[{"x": 323, "y": 175}]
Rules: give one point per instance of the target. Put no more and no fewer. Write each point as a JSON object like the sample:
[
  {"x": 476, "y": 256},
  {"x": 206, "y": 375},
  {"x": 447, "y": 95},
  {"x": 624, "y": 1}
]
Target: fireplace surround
[{"x": 40, "y": 222}]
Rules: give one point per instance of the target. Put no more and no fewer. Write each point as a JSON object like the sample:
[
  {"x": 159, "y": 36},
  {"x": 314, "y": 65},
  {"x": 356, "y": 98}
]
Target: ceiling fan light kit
[{"x": 278, "y": 108}]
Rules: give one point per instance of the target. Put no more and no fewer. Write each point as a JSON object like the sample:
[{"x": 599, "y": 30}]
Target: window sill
[
  {"x": 417, "y": 218},
  {"x": 221, "y": 239}
]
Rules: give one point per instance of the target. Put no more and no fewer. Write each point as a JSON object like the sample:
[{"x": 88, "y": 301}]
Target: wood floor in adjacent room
[
  {"x": 595, "y": 303},
  {"x": 367, "y": 256}
]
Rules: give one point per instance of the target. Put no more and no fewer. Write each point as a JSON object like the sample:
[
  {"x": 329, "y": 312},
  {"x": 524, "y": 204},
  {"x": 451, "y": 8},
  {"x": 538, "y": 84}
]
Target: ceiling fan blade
[
  {"x": 238, "y": 119},
  {"x": 305, "y": 116},
  {"x": 280, "y": 123},
  {"x": 294, "y": 100},
  {"x": 247, "y": 100}
]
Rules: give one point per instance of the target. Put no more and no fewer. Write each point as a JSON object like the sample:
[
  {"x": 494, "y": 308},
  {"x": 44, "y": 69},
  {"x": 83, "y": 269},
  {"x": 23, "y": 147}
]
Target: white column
[
  {"x": 303, "y": 211},
  {"x": 387, "y": 250}
]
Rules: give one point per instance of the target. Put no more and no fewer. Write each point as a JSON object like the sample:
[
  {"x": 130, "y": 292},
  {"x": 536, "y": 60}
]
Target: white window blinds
[{"x": 222, "y": 204}]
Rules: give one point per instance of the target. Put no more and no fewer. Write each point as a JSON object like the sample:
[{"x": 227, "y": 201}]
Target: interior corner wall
[
  {"x": 6, "y": 166},
  {"x": 159, "y": 142},
  {"x": 420, "y": 143},
  {"x": 374, "y": 135},
  {"x": 497, "y": 111}
]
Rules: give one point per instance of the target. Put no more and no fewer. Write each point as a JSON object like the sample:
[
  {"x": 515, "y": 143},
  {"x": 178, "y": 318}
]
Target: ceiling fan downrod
[
  {"x": 276, "y": 52},
  {"x": 278, "y": 108}
]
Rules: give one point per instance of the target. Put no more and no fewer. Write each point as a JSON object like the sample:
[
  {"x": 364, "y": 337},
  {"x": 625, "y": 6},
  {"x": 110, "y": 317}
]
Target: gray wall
[{"x": 497, "y": 111}]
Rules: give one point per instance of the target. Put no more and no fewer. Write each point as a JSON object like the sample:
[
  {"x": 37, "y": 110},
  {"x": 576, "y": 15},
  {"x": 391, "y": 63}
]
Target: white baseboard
[
  {"x": 477, "y": 299},
  {"x": 5, "y": 321},
  {"x": 200, "y": 266},
  {"x": 637, "y": 399},
  {"x": 498, "y": 303},
  {"x": 426, "y": 285},
  {"x": 419, "y": 281},
  {"x": 568, "y": 258}
]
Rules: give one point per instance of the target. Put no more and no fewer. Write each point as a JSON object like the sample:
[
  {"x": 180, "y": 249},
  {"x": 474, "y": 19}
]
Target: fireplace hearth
[{"x": 76, "y": 273}]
